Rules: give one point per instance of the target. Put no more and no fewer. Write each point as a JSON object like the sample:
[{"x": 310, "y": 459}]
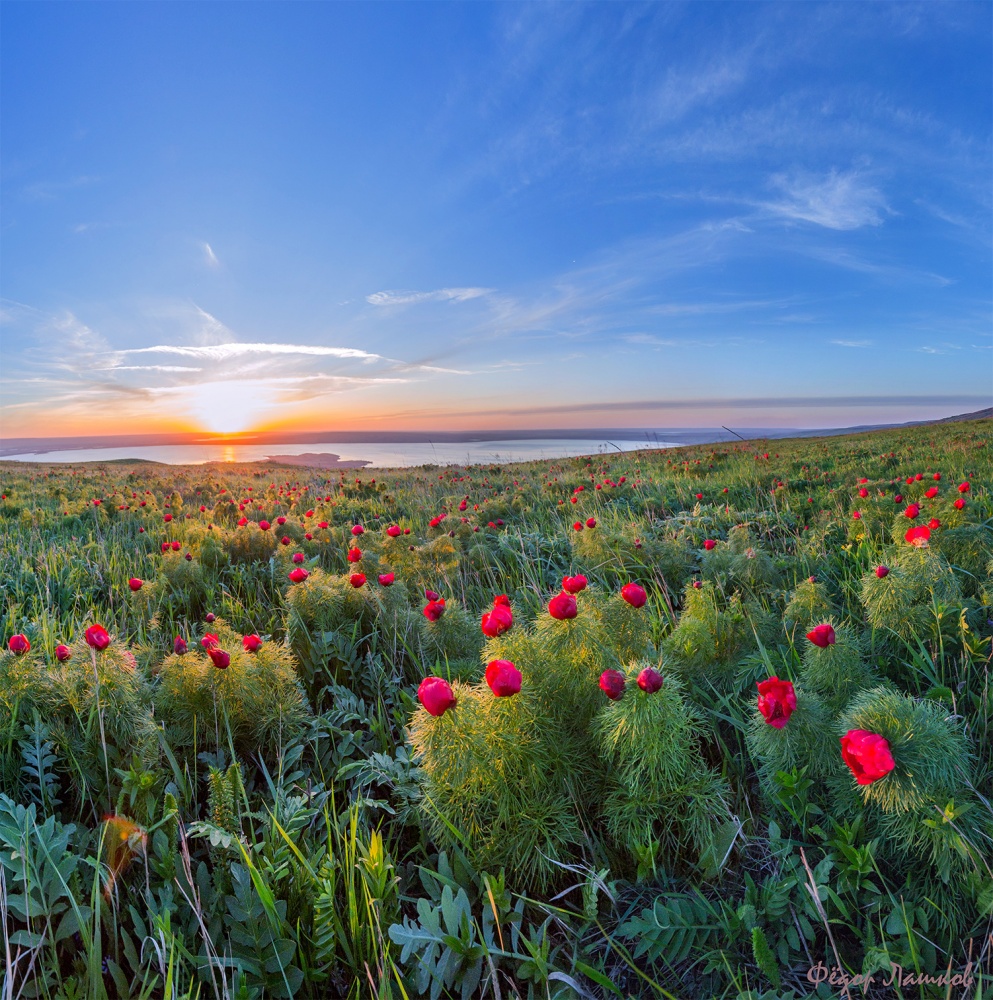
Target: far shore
[{"x": 317, "y": 460}]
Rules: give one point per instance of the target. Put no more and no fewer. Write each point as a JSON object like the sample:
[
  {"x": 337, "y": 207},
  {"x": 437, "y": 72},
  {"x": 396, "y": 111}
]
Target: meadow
[{"x": 713, "y": 721}]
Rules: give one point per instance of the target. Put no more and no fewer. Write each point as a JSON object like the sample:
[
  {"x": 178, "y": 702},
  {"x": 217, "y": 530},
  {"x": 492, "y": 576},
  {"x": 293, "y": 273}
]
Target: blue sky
[{"x": 433, "y": 215}]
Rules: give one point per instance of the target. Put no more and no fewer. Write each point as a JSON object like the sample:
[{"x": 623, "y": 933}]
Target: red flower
[
  {"x": 178, "y": 645},
  {"x": 357, "y": 580},
  {"x": 634, "y": 594},
  {"x": 857, "y": 516},
  {"x": 699, "y": 496},
  {"x": 822, "y": 635},
  {"x": 18, "y": 644},
  {"x": 934, "y": 523},
  {"x": 867, "y": 755},
  {"x": 562, "y": 607},
  {"x": 298, "y": 575},
  {"x": 386, "y": 579},
  {"x": 280, "y": 520},
  {"x": 209, "y": 617},
  {"x": 210, "y": 641},
  {"x": 436, "y": 695},
  {"x": 578, "y": 526},
  {"x": 650, "y": 680},
  {"x": 959, "y": 504},
  {"x": 574, "y": 584},
  {"x": 264, "y": 525},
  {"x": 882, "y": 571},
  {"x": 167, "y": 518},
  {"x": 62, "y": 653},
  {"x": 497, "y": 621},
  {"x": 176, "y": 546},
  {"x": 97, "y": 637},
  {"x": 393, "y": 530},
  {"x": 918, "y": 536},
  {"x": 963, "y": 487},
  {"x": 931, "y": 493},
  {"x": 322, "y": 524},
  {"x": 863, "y": 492},
  {"x": 354, "y": 555},
  {"x": 936, "y": 477},
  {"x": 165, "y": 546},
  {"x": 434, "y": 609},
  {"x": 912, "y": 511},
  {"x": 298, "y": 557},
  {"x": 357, "y": 530},
  {"x": 250, "y": 643},
  {"x": 503, "y": 678},
  {"x": 242, "y": 521},
  {"x": 285, "y": 540},
  {"x": 612, "y": 684},
  {"x": 430, "y": 595},
  {"x": 134, "y": 583},
  {"x": 501, "y": 599},
  {"x": 709, "y": 543},
  {"x": 697, "y": 584},
  {"x": 219, "y": 658},
  {"x": 591, "y": 522},
  {"x": 777, "y": 701},
  {"x": 203, "y": 509}
]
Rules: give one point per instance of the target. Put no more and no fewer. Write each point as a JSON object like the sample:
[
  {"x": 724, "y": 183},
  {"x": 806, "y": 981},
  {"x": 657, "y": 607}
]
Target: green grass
[{"x": 291, "y": 843}]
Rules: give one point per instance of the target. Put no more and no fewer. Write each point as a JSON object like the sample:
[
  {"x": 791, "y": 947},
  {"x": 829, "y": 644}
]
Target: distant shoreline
[{"x": 317, "y": 460}]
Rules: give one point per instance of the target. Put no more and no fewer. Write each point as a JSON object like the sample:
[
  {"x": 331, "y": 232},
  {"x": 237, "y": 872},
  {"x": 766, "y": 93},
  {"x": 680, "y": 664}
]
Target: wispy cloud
[
  {"x": 852, "y": 343},
  {"x": 148, "y": 368},
  {"x": 225, "y": 352},
  {"x": 400, "y": 298},
  {"x": 210, "y": 258},
  {"x": 835, "y": 201}
]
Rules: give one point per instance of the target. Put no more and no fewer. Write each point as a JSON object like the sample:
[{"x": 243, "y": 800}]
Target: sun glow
[{"x": 229, "y": 407}]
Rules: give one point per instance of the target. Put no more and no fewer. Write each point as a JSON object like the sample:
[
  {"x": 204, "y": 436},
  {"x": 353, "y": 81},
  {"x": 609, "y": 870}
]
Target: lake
[{"x": 382, "y": 455}]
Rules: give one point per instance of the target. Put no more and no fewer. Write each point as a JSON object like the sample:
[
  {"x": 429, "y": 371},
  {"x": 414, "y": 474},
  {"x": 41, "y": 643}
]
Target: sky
[{"x": 242, "y": 216}]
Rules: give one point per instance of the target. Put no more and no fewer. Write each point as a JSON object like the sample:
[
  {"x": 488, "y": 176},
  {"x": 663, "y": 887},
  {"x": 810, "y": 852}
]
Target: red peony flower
[
  {"x": 612, "y": 684},
  {"x": 562, "y": 607},
  {"x": 203, "y": 509},
  {"x": 165, "y": 546},
  {"x": 934, "y": 523},
  {"x": 863, "y": 492},
  {"x": 179, "y": 645},
  {"x": 219, "y": 658},
  {"x": 250, "y": 643},
  {"x": 503, "y": 678},
  {"x": 931, "y": 493},
  {"x": 354, "y": 555},
  {"x": 709, "y": 544},
  {"x": 882, "y": 571},
  {"x": 434, "y": 609},
  {"x": 134, "y": 583},
  {"x": 436, "y": 695},
  {"x": 357, "y": 530},
  {"x": 97, "y": 637},
  {"x": 574, "y": 584},
  {"x": 867, "y": 755},
  {"x": 591, "y": 522},
  {"x": 298, "y": 575},
  {"x": 242, "y": 521},
  {"x": 697, "y": 584},
  {"x": 62, "y": 653},
  {"x": 280, "y": 520},
  {"x": 578, "y": 526},
  {"x": 357, "y": 580},
  {"x": 394, "y": 530},
  {"x": 167, "y": 518},
  {"x": 936, "y": 477},
  {"x": 386, "y": 579},
  {"x": 298, "y": 557},
  {"x": 210, "y": 641},
  {"x": 650, "y": 680},
  {"x": 18, "y": 644},
  {"x": 176, "y": 546},
  {"x": 898, "y": 498},
  {"x": 285, "y": 540},
  {"x": 857, "y": 516},
  {"x": 911, "y": 511},
  {"x": 322, "y": 524},
  {"x": 959, "y": 504},
  {"x": 264, "y": 525},
  {"x": 822, "y": 635},
  {"x": 501, "y": 599},
  {"x": 634, "y": 594},
  {"x": 497, "y": 621},
  {"x": 918, "y": 536},
  {"x": 963, "y": 487},
  {"x": 777, "y": 701}
]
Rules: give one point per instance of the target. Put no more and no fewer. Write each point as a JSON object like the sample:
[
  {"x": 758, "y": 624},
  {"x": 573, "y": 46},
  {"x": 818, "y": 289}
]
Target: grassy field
[{"x": 232, "y": 789}]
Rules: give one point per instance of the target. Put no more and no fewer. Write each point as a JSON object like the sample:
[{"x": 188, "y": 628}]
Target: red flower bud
[
  {"x": 436, "y": 695},
  {"x": 135, "y": 584},
  {"x": 591, "y": 522},
  {"x": 354, "y": 555},
  {"x": 97, "y": 637},
  {"x": 394, "y": 530},
  {"x": 62, "y": 653},
  {"x": 298, "y": 575},
  {"x": 386, "y": 579},
  {"x": 179, "y": 645},
  {"x": 18, "y": 644},
  {"x": 503, "y": 678},
  {"x": 297, "y": 557},
  {"x": 959, "y": 504},
  {"x": 357, "y": 580},
  {"x": 777, "y": 701},
  {"x": 882, "y": 571},
  {"x": 250, "y": 643},
  {"x": 357, "y": 530},
  {"x": 562, "y": 607},
  {"x": 612, "y": 684},
  {"x": 709, "y": 544},
  {"x": 650, "y": 680},
  {"x": 963, "y": 487},
  {"x": 867, "y": 755},
  {"x": 219, "y": 658},
  {"x": 176, "y": 546},
  {"x": 574, "y": 584},
  {"x": 822, "y": 635},
  {"x": 634, "y": 594},
  {"x": 209, "y": 617}
]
